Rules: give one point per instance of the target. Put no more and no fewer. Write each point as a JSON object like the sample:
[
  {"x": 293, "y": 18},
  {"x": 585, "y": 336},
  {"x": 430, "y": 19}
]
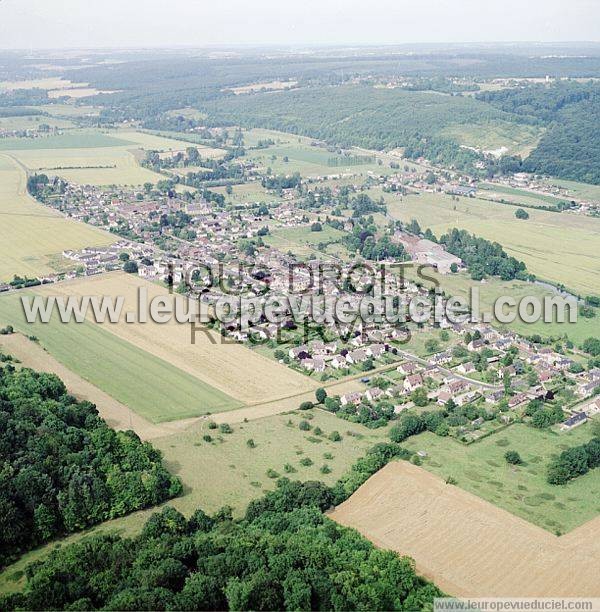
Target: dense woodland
[
  {"x": 284, "y": 554},
  {"x": 482, "y": 257},
  {"x": 570, "y": 111},
  {"x": 62, "y": 468}
]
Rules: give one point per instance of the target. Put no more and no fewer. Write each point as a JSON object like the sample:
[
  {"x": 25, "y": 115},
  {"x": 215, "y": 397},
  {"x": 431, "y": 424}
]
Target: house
[
  {"x": 320, "y": 348},
  {"x": 357, "y": 340},
  {"x": 576, "y": 419},
  {"x": 444, "y": 397},
  {"x": 585, "y": 389},
  {"x": 373, "y": 394},
  {"x": 413, "y": 382},
  {"x": 466, "y": 398},
  {"x": 466, "y": 368},
  {"x": 354, "y": 397},
  {"x": 299, "y": 352},
  {"x": 476, "y": 345},
  {"x": 376, "y": 350},
  {"x": 593, "y": 407},
  {"x": 546, "y": 376},
  {"x": 317, "y": 364},
  {"x": 517, "y": 400},
  {"x": 494, "y": 397},
  {"x": 562, "y": 363},
  {"x": 441, "y": 358},
  {"x": 455, "y": 386},
  {"x": 357, "y": 356},
  {"x": 407, "y": 368},
  {"x": 338, "y": 362}
]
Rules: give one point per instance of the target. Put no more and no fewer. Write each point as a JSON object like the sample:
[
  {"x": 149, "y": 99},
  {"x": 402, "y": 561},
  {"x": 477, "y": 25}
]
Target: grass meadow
[
  {"x": 489, "y": 291},
  {"x": 81, "y": 139},
  {"x": 560, "y": 247},
  {"x": 301, "y": 240},
  {"x": 481, "y": 469}
]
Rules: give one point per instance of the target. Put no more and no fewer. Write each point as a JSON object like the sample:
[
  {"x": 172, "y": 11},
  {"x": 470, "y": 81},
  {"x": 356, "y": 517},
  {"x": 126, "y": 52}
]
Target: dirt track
[{"x": 468, "y": 546}]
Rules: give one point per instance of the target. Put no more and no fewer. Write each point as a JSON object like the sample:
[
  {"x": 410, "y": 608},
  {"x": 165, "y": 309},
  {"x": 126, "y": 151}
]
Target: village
[{"x": 487, "y": 377}]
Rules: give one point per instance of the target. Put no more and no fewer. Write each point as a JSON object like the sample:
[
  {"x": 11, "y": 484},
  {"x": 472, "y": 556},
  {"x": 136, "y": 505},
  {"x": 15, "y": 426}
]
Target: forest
[
  {"x": 482, "y": 257},
  {"x": 284, "y": 554},
  {"x": 63, "y": 469},
  {"x": 570, "y": 148}
]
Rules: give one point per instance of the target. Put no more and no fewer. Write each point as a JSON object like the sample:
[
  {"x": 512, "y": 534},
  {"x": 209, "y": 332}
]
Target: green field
[
  {"x": 302, "y": 156},
  {"x": 32, "y": 236},
  {"x": 242, "y": 470},
  {"x": 31, "y": 122},
  {"x": 518, "y": 196},
  {"x": 578, "y": 190},
  {"x": 481, "y": 469},
  {"x": 301, "y": 240},
  {"x": 559, "y": 247},
  {"x": 71, "y": 140},
  {"x": 500, "y": 136},
  {"x": 148, "y": 385},
  {"x": 247, "y": 193}
]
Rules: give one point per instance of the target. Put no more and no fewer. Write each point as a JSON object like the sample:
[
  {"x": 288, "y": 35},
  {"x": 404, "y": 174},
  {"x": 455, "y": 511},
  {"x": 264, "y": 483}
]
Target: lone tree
[
  {"x": 521, "y": 214},
  {"x": 513, "y": 457},
  {"x": 130, "y": 267},
  {"x": 321, "y": 395}
]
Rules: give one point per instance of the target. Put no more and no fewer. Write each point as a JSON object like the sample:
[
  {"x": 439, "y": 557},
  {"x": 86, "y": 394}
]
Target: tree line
[{"x": 284, "y": 554}]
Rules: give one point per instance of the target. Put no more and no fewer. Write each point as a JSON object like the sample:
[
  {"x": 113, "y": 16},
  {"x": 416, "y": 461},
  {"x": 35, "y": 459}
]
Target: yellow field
[
  {"x": 47, "y": 83},
  {"x": 232, "y": 368},
  {"x": 98, "y": 166},
  {"x": 77, "y": 92},
  {"x": 32, "y": 234},
  {"x": 112, "y": 165},
  {"x": 555, "y": 246},
  {"x": 467, "y": 546}
]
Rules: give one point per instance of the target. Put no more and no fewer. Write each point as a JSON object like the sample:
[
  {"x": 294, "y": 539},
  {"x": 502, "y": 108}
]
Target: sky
[{"x": 40, "y": 24}]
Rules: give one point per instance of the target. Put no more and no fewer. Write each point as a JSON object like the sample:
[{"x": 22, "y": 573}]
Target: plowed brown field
[{"x": 468, "y": 546}]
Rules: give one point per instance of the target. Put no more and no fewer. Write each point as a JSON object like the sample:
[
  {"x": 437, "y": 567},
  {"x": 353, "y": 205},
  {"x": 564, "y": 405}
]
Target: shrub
[
  {"x": 513, "y": 457},
  {"x": 304, "y": 426},
  {"x": 334, "y": 436},
  {"x": 306, "y": 405},
  {"x": 521, "y": 214},
  {"x": 225, "y": 428}
]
